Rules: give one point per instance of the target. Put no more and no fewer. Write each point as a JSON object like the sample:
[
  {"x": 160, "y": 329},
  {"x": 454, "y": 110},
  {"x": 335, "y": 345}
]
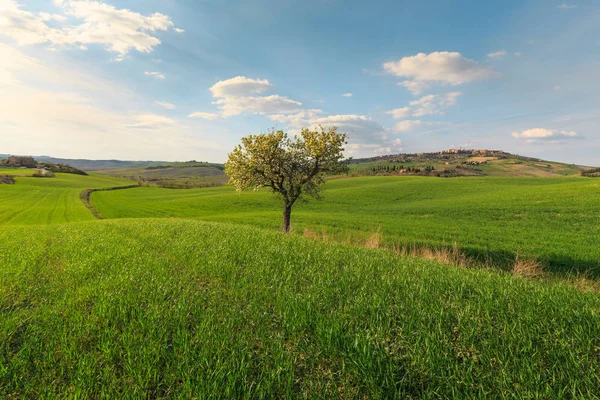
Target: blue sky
[{"x": 180, "y": 80}]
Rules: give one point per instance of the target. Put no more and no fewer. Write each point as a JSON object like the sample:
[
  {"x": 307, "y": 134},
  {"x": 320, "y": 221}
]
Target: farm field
[
  {"x": 49, "y": 200},
  {"x": 172, "y": 308},
  {"x": 177, "y": 175},
  {"x": 16, "y": 171},
  {"x": 554, "y": 220}
]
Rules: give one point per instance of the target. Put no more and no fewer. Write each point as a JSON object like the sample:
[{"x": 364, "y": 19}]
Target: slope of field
[
  {"x": 175, "y": 175},
  {"x": 506, "y": 165},
  {"x": 17, "y": 171},
  {"x": 49, "y": 200},
  {"x": 555, "y": 220},
  {"x": 187, "y": 309}
]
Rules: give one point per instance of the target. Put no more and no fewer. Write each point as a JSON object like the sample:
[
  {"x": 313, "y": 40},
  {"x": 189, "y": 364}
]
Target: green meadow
[
  {"x": 49, "y": 200},
  {"x": 195, "y": 294},
  {"x": 553, "y": 220},
  {"x": 188, "y": 309}
]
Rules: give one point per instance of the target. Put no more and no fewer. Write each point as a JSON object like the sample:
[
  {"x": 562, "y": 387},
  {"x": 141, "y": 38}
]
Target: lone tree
[{"x": 292, "y": 168}]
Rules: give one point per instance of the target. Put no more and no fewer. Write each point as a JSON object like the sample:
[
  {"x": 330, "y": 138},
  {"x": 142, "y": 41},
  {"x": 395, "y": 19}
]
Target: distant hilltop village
[
  {"x": 446, "y": 155},
  {"x": 472, "y": 153}
]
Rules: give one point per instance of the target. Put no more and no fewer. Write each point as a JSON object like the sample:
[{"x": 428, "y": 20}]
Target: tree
[{"x": 293, "y": 168}]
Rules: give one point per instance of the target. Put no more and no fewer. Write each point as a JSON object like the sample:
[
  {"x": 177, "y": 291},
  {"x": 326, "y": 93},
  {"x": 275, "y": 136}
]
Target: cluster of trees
[
  {"x": 591, "y": 173},
  {"x": 397, "y": 168},
  {"x": 64, "y": 168}
]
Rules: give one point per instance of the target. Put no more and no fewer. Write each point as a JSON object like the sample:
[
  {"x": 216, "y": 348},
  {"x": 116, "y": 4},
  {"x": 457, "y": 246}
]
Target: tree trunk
[{"x": 287, "y": 213}]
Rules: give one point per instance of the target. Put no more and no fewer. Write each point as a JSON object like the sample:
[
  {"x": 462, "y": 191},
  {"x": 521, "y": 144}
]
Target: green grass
[
  {"x": 16, "y": 171},
  {"x": 187, "y": 309},
  {"x": 178, "y": 175},
  {"x": 49, "y": 200},
  {"x": 554, "y": 220}
]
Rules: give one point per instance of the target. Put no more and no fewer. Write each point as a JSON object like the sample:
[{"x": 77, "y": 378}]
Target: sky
[{"x": 179, "y": 80}]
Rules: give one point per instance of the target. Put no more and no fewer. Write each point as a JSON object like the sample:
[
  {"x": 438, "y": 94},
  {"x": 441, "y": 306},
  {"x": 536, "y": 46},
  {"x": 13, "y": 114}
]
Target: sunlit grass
[
  {"x": 173, "y": 308},
  {"x": 551, "y": 220}
]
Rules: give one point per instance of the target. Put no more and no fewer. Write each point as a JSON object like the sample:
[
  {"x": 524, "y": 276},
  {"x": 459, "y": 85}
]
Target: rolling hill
[{"x": 194, "y": 294}]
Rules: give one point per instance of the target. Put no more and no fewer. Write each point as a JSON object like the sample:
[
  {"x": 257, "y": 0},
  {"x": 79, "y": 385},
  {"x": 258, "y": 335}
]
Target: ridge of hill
[{"x": 462, "y": 162}]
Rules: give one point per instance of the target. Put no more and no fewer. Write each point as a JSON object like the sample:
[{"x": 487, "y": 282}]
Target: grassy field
[
  {"x": 49, "y": 200},
  {"x": 554, "y": 220},
  {"x": 178, "y": 175},
  {"x": 188, "y": 309},
  {"x": 16, "y": 171}
]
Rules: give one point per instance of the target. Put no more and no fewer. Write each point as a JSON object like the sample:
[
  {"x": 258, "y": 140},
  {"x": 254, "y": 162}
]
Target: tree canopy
[{"x": 292, "y": 167}]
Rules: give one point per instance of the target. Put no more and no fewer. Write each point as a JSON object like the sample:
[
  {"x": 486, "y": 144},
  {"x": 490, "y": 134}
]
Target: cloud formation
[
  {"x": 155, "y": 74},
  {"x": 497, "y": 54},
  {"x": 449, "y": 68},
  {"x": 59, "y": 110},
  {"x": 239, "y": 95},
  {"x": 118, "y": 30},
  {"x": 433, "y": 104},
  {"x": 543, "y": 135},
  {"x": 203, "y": 115},
  {"x": 166, "y": 105},
  {"x": 347, "y": 95}
]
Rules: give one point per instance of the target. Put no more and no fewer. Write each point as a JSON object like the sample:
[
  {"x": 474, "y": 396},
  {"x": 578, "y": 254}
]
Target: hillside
[
  {"x": 173, "y": 175},
  {"x": 48, "y": 200},
  {"x": 186, "y": 309},
  {"x": 453, "y": 162},
  {"x": 460, "y": 162},
  {"x": 552, "y": 220},
  {"x": 175, "y": 307}
]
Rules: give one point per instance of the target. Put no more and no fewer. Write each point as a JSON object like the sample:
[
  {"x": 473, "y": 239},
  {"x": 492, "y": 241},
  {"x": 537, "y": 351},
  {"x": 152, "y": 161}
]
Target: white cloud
[
  {"x": 273, "y": 104},
  {"x": 347, "y": 95},
  {"x": 297, "y": 120},
  {"x": 166, "y": 105},
  {"x": 408, "y": 125},
  {"x": 367, "y": 136},
  {"x": 157, "y": 75},
  {"x": 178, "y": 30},
  {"x": 119, "y": 30},
  {"x": 433, "y": 104},
  {"x": 541, "y": 135},
  {"x": 240, "y": 86},
  {"x": 399, "y": 113},
  {"x": 238, "y": 96},
  {"x": 566, "y": 6},
  {"x": 415, "y": 87},
  {"x": 517, "y": 54},
  {"x": 443, "y": 67},
  {"x": 497, "y": 54},
  {"x": 412, "y": 124},
  {"x": 55, "y": 109},
  {"x": 150, "y": 121},
  {"x": 203, "y": 115},
  {"x": 51, "y": 17}
]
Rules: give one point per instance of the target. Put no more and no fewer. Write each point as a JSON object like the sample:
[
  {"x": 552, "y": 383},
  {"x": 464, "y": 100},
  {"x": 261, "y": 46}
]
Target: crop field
[
  {"x": 553, "y": 220},
  {"x": 178, "y": 175},
  {"x": 16, "y": 171},
  {"x": 49, "y": 200},
  {"x": 188, "y": 309},
  {"x": 154, "y": 303}
]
